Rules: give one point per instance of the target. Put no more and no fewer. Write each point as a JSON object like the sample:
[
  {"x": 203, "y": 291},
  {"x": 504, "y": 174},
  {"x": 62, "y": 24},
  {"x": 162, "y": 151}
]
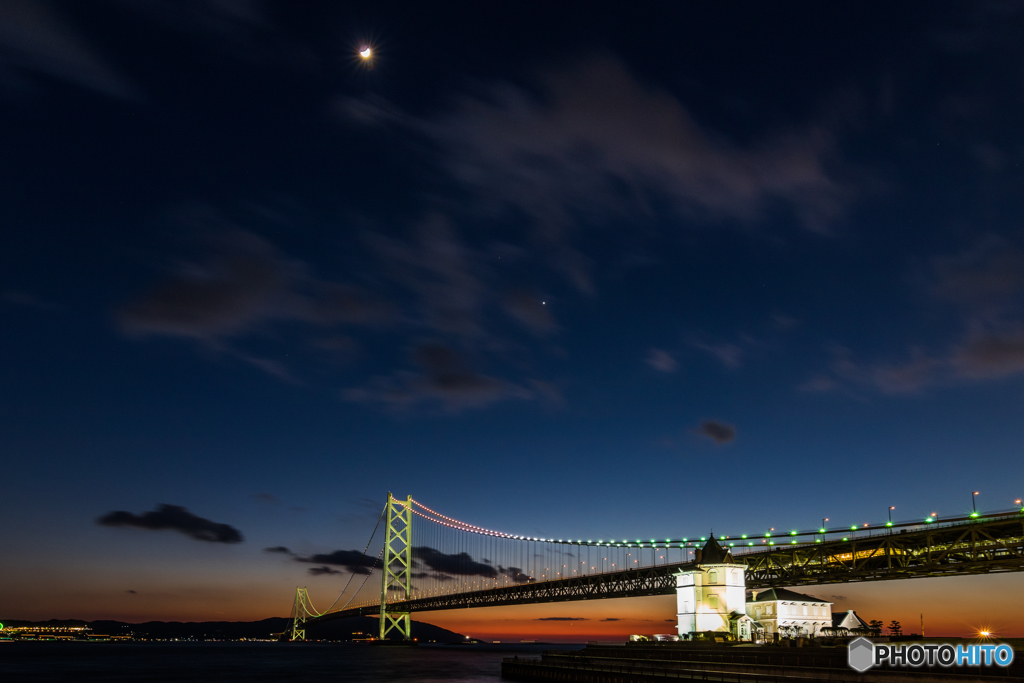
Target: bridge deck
[{"x": 968, "y": 546}]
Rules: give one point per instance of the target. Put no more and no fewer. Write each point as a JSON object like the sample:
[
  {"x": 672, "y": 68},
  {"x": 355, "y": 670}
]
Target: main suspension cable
[{"x": 363, "y": 555}]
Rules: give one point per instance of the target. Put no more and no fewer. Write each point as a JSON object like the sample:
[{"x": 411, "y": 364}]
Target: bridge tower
[
  {"x": 397, "y": 565},
  {"x": 301, "y": 610}
]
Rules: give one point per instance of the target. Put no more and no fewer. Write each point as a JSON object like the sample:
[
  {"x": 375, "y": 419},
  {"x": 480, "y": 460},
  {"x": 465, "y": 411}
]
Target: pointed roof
[
  {"x": 851, "y": 618},
  {"x": 713, "y": 553}
]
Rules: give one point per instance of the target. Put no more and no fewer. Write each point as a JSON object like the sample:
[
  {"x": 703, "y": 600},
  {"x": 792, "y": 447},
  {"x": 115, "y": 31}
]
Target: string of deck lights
[{"x": 732, "y": 540}]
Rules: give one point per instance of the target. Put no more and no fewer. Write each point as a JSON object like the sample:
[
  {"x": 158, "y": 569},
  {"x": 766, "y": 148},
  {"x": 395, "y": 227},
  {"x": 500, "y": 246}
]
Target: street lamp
[
  {"x": 974, "y": 506},
  {"x": 891, "y": 508}
]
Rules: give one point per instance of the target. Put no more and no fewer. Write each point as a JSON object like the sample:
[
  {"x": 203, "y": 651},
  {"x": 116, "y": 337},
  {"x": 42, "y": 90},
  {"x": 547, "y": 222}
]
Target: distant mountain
[{"x": 342, "y": 629}]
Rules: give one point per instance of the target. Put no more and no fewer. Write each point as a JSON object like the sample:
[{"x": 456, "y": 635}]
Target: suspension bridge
[{"x": 430, "y": 562}]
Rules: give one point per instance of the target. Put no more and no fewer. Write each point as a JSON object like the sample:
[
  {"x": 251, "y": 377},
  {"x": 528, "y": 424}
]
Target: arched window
[{"x": 713, "y": 576}]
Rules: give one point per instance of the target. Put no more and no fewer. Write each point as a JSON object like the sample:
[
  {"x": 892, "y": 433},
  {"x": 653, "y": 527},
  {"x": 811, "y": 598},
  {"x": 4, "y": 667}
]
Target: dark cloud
[
  {"x": 984, "y": 280},
  {"x": 446, "y": 567},
  {"x": 320, "y": 571},
  {"x": 446, "y": 379},
  {"x": 352, "y": 560},
  {"x": 986, "y": 356},
  {"x": 839, "y": 597},
  {"x": 719, "y": 432},
  {"x": 986, "y": 285},
  {"x": 266, "y": 497},
  {"x": 278, "y": 549},
  {"x": 246, "y": 283},
  {"x": 35, "y": 38},
  {"x": 456, "y": 564},
  {"x": 174, "y": 518},
  {"x": 131, "y": 592},
  {"x": 611, "y": 619},
  {"x": 563, "y": 619},
  {"x": 662, "y": 361},
  {"x": 242, "y": 283},
  {"x": 981, "y": 356}
]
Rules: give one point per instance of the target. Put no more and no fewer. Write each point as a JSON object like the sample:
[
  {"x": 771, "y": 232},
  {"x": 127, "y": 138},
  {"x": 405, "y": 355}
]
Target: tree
[
  {"x": 875, "y": 625},
  {"x": 894, "y": 628}
]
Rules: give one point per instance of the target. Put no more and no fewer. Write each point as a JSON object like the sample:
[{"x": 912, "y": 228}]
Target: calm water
[{"x": 196, "y": 662}]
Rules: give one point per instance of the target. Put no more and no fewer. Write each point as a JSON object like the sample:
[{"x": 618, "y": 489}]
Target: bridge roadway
[{"x": 964, "y": 546}]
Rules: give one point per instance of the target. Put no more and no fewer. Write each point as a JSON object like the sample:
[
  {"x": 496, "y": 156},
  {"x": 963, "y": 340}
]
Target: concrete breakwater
[{"x": 680, "y": 661}]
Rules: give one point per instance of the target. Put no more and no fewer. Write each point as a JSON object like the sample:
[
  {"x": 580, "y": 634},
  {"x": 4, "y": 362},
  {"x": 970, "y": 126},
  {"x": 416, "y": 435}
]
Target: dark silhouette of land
[{"x": 353, "y": 628}]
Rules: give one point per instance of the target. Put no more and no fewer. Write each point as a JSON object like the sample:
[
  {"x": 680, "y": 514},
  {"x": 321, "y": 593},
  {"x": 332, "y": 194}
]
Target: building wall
[
  {"x": 809, "y": 617},
  {"x": 707, "y": 595}
]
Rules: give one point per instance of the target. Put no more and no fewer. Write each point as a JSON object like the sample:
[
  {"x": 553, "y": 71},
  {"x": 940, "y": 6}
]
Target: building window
[
  {"x": 805, "y": 610},
  {"x": 713, "y": 601},
  {"x": 713, "y": 576}
]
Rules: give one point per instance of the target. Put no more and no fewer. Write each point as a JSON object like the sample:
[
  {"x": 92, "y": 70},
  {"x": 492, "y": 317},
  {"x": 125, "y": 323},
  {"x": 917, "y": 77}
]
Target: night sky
[{"x": 558, "y": 269}]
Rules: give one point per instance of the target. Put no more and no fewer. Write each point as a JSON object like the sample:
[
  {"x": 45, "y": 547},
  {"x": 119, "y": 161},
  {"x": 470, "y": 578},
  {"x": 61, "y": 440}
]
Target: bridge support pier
[{"x": 397, "y": 566}]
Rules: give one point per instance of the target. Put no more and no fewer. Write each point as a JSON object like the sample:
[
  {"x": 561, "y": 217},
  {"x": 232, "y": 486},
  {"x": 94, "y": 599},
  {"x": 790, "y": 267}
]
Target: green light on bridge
[
  {"x": 792, "y": 533},
  {"x": 821, "y": 531},
  {"x": 853, "y": 528},
  {"x": 888, "y": 523},
  {"x": 743, "y": 536}
]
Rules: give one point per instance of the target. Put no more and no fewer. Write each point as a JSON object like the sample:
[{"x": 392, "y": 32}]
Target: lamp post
[
  {"x": 823, "y": 520},
  {"x": 974, "y": 506},
  {"x": 891, "y": 508}
]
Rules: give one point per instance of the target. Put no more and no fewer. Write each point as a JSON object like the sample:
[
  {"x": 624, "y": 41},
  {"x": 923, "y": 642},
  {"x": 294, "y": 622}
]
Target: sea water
[{"x": 48, "y": 662}]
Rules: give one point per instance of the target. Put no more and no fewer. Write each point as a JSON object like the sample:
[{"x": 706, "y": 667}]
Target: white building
[
  {"x": 713, "y": 597},
  {"x": 784, "y": 611},
  {"x": 710, "y": 595}
]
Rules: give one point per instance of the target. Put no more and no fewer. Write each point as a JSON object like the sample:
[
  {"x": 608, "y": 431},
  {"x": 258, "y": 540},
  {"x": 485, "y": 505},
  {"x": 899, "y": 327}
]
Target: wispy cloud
[
  {"x": 729, "y": 355},
  {"x": 662, "y": 361},
  {"x": 34, "y": 38},
  {"x": 598, "y": 139}
]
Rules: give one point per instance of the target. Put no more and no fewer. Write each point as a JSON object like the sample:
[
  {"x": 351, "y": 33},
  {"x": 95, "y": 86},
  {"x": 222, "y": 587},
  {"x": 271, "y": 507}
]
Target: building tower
[{"x": 712, "y": 595}]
